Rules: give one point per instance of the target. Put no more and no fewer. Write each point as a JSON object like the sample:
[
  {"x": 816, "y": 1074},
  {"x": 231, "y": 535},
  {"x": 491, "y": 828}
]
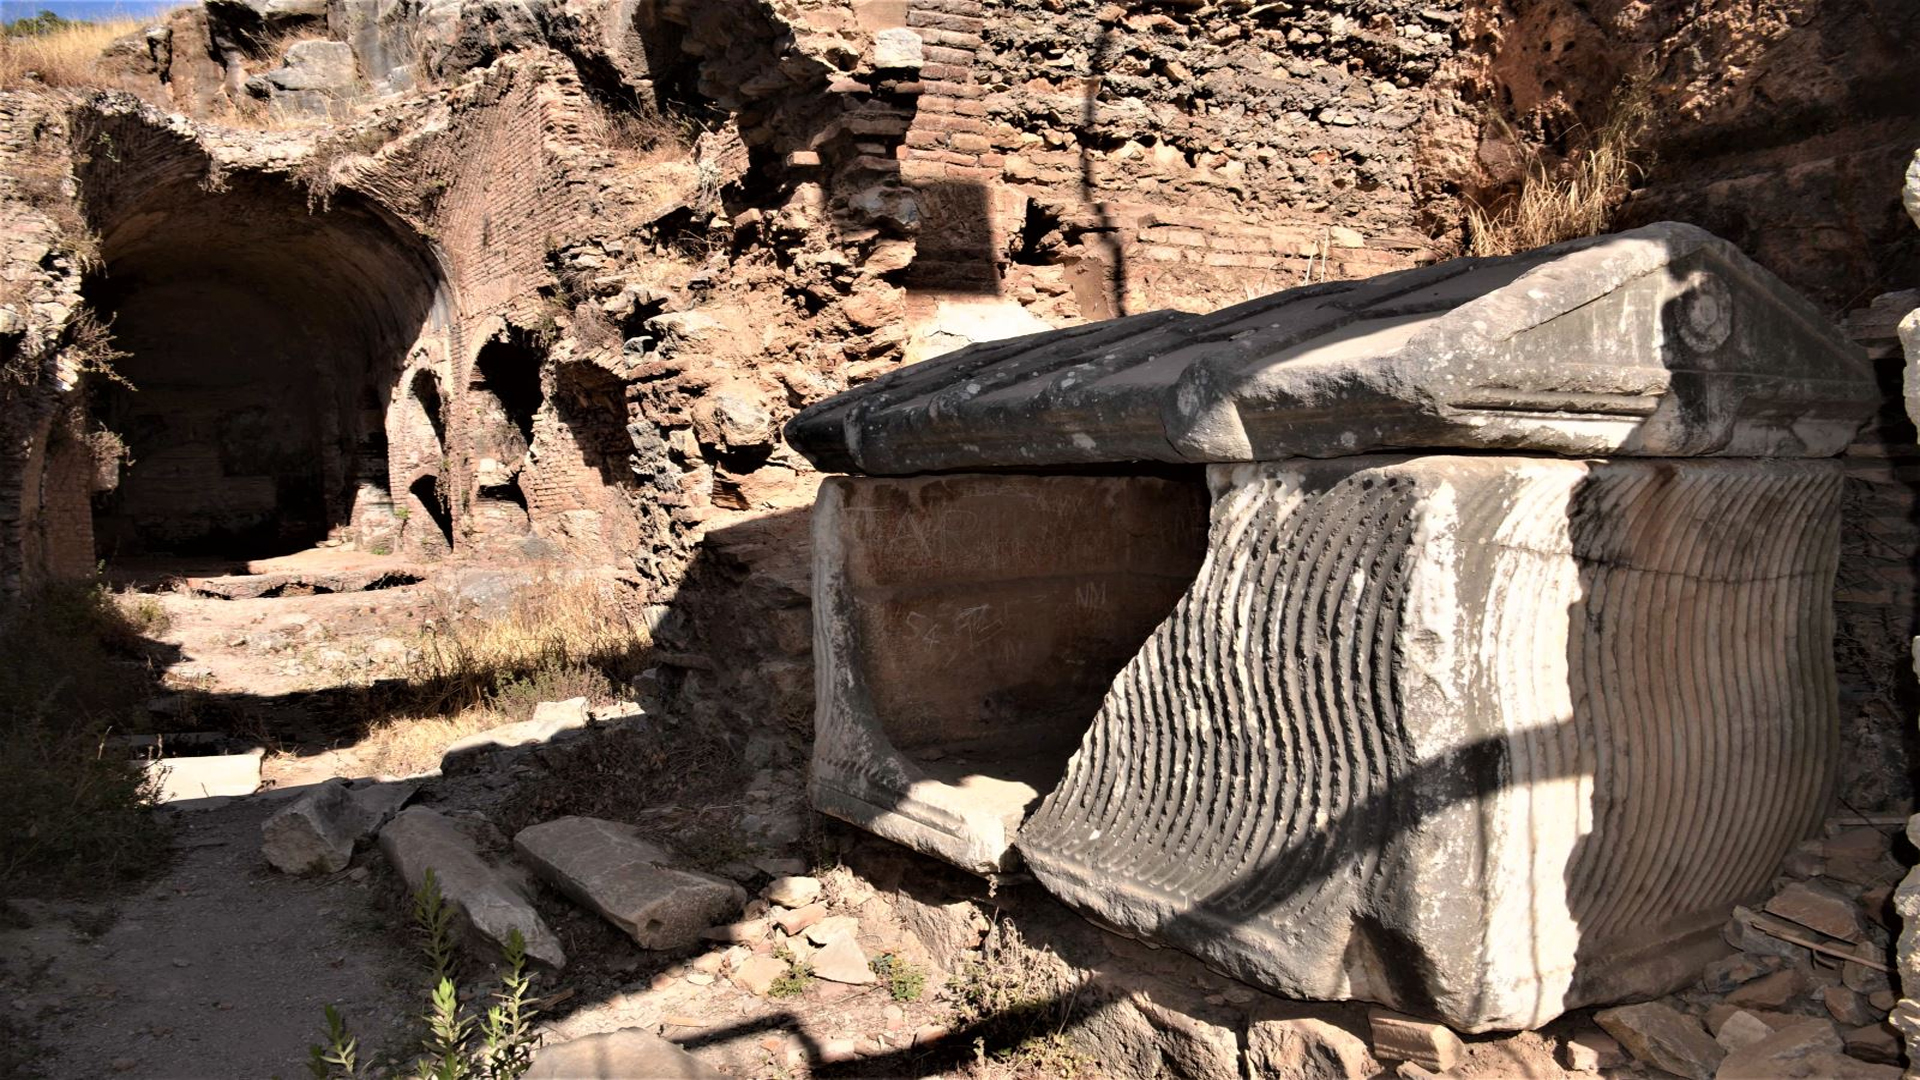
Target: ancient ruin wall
[{"x": 867, "y": 182}]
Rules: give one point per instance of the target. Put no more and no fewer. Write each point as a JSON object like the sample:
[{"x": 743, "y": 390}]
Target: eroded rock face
[
  {"x": 1661, "y": 342},
  {"x": 1390, "y": 745}
]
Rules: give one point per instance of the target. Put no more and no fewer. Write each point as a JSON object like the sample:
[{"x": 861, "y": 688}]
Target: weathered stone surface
[
  {"x": 795, "y": 891},
  {"x": 1817, "y": 907},
  {"x": 897, "y": 48},
  {"x": 317, "y": 832},
  {"x": 211, "y": 776},
  {"x": 550, "y": 720},
  {"x": 966, "y": 629},
  {"x": 489, "y": 903},
  {"x": 1769, "y": 991},
  {"x": 1284, "y": 1040},
  {"x": 1742, "y": 1029},
  {"x": 1405, "y": 1038},
  {"x": 630, "y": 881},
  {"x": 1664, "y": 1038},
  {"x": 1791, "y": 1051},
  {"x": 843, "y": 961},
  {"x": 1664, "y": 341},
  {"x": 626, "y": 1054},
  {"x": 1401, "y": 699},
  {"x": 319, "y": 78}
]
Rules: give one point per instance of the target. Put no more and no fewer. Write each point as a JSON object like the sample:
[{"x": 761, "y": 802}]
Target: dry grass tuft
[
  {"x": 551, "y": 640},
  {"x": 1579, "y": 198},
  {"x": 564, "y": 637},
  {"x": 68, "y": 55},
  {"x": 405, "y": 745}
]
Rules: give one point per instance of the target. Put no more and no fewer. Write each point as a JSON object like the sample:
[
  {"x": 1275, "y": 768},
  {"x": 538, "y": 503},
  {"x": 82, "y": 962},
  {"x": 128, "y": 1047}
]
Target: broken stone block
[
  {"x": 1664, "y": 1038},
  {"x": 1818, "y": 907},
  {"x": 793, "y": 922},
  {"x": 1286, "y": 1040},
  {"x": 317, "y": 832},
  {"x": 842, "y": 960},
  {"x": 631, "y": 882},
  {"x": 1664, "y": 341},
  {"x": 618, "y": 1055},
  {"x": 968, "y": 627},
  {"x": 1404, "y": 1038},
  {"x": 489, "y": 904},
  {"x": 1402, "y": 698},
  {"x": 1849, "y": 1007}
]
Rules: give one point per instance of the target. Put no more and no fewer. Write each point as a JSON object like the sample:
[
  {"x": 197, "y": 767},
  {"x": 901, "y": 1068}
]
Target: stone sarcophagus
[{"x": 1459, "y": 640}]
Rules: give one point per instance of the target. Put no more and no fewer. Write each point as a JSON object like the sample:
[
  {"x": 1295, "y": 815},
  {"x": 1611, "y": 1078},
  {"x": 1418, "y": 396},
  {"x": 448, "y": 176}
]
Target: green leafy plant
[
  {"x": 337, "y": 1058},
  {"x": 905, "y": 981},
  {"x": 457, "y": 1045},
  {"x": 794, "y": 981}
]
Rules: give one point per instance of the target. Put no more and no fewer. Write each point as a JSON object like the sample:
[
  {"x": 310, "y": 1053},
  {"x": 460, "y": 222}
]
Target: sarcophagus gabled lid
[{"x": 1664, "y": 341}]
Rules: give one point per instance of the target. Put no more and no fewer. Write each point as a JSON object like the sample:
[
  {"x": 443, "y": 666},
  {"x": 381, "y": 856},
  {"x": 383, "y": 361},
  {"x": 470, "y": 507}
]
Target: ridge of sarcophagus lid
[{"x": 1664, "y": 341}]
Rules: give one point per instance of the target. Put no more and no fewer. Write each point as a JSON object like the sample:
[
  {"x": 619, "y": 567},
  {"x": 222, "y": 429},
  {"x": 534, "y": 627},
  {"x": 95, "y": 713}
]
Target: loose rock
[
  {"x": 1817, "y": 907},
  {"x": 794, "y": 892},
  {"x": 316, "y": 833},
  {"x": 618, "y": 1055},
  {"x": 843, "y": 961},
  {"x": 629, "y": 881},
  {"x": 1404, "y": 1038},
  {"x": 1664, "y": 1038}
]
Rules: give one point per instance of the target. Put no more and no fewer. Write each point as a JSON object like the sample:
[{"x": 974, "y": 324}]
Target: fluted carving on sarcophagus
[{"x": 1471, "y": 736}]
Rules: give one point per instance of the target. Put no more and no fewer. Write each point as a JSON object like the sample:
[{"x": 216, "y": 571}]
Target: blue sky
[{"x": 87, "y": 10}]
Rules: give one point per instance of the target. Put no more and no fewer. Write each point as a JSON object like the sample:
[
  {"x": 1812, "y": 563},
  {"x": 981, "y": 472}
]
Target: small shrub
[
  {"x": 497, "y": 1045},
  {"x": 905, "y": 981},
  {"x": 1019, "y": 1001},
  {"x": 793, "y": 982},
  {"x": 551, "y": 629},
  {"x": 75, "y": 814},
  {"x": 1578, "y": 199}
]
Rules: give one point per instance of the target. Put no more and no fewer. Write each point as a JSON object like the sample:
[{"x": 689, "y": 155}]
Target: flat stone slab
[
  {"x": 1664, "y": 341},
  {"x": 1473, "y": 737},
  {"x": 184, "y": 779},
  {"x": 630, "y": 881},
  {"x": 489, "y": 902},
  {"x": 626, "y": 1054}
]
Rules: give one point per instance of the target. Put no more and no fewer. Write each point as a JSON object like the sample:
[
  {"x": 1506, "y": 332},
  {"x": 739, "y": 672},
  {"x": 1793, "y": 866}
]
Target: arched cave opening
[
  {"x": 505, "y": 394},
  {"x": 264, "y": 341}
]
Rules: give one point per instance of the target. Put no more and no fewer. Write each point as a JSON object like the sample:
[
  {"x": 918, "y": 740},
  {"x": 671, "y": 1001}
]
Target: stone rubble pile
[{"x": 1808, "y": 992}]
